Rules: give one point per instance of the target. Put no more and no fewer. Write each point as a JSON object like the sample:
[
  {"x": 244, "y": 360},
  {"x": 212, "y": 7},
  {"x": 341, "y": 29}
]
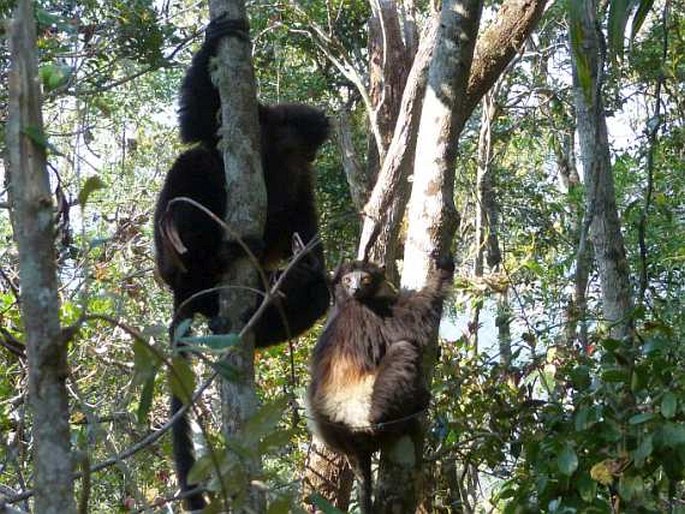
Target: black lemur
[
  {"x": 190, "y": 251},
  {"x": 367, "y": 382}
]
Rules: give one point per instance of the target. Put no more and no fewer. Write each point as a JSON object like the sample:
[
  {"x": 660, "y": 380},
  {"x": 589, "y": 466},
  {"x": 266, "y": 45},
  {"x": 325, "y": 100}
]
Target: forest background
[{"x": 543, "y": 401}]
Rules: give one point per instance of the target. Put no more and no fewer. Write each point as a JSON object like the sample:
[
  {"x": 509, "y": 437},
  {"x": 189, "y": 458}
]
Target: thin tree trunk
[
  {"x": 503, "y": 324},
  {"x": 601, "y": 214},
  {"x": 487, "y": 212},
  {"x": 389, "y": 65},
  {"x": 32, "y": 217},
  {"x": 485, "y": 237},
  {"x": 358, "y": 178},
  {"x": 245, "y": 180},
  {"x": 386, "y": 206}
]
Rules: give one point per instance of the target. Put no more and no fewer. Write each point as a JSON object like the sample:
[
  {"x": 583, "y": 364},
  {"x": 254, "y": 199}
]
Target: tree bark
[
  {"x": 389, "y": 65},
  {"x": 601, "y": 213},
  {"x": 384, "y": 211},
  {"x": 32, "y": 218},
  {"x": 497, "y": 46},
  {"x": 358, "y": 178},
  {"x": 235, "y": 81},
  {"x": 328, "y": 474},
  {"x": 432, "y": 216}
]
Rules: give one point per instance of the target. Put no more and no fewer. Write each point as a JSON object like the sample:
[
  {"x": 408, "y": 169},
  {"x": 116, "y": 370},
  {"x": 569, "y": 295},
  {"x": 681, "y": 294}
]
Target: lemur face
[{"x": 359, "y": 284}]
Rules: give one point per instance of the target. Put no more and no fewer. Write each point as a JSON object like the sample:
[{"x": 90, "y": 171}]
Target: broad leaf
[{"x": 567, "y": 461}]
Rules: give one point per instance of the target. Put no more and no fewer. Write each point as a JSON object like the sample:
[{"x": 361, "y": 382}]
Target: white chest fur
[{"x": 349, "y": 403}]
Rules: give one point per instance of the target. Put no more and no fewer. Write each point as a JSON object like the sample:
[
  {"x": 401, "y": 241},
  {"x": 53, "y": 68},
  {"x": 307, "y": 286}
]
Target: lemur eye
[{"x": 366, "y": 280}]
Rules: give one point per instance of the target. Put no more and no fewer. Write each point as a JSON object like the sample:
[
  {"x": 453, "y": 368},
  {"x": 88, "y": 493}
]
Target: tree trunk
[
  {"x": 32, "y": 218},
  {"x": 389, "y": 64},
  {"x": 328, "y": 474},
  {"x": 503, "y": 324},
  {"x": 358, "y": 178},
  {"x": 601, "y": 214},
  {"x": 385, "y": 209},
  {"x": 432, "y": 216},
  {"x": 245, "y": 180},
  {"x": 486, "y": 211}
]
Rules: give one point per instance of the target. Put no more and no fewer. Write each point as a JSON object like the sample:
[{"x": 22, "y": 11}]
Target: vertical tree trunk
[
  {"x": 385, "y": 209},
  {"x": 432, "y": 216},
  {"x": 503, "y": 324},
  {"x": 32, "y": 217},
  {"x": 486, "y": 205},
  {"x": 389, "y": 65},
  {"x": 328, "y": 474},
  {"x": 601, "y": 214},
  {"x": 575, "y": 328},
  {"x": 487, "y": 211},
  {"x": 244, "y": 179},
  {"x": 397, "y": 81}
]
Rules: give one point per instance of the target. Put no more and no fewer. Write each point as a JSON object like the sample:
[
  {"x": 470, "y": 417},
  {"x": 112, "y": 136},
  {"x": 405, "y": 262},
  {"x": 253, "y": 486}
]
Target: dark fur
[
  {"x": 290, "y": 137},
  {"x": 375, "y": 333}
]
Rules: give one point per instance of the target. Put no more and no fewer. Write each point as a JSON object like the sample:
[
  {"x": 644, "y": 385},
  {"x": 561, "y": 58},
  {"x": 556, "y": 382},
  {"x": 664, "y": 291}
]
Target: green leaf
[
  {"x": 567, "y": 461},
  {"x": 37, "y": 135},
  {"x": 638, "y": 419},
  {"x": 274, "y": 440},
  {"x": 182, "y": 328},
  {"x": 145, "y": 362},
  {"x": 587, "y": 488},
  {"x": 577, "y": 36},
  {"x": 671, "y": 435},
  {"x": 643, "y": 451},
  {"x": 226, "y": 370},
  {"x": 182, "y": 379},
  {"x": 47, "y": 19},
  {"x": 669, "y": 405},
  {"x": 610, "y": 431},
  {"x": 326, "y": 507},
  {"x": 145, "y": 403},
  {"x": 280, "y": 505},
  {"x": 212, "y": 342},
  {"x": 610, "y": 345},
  {"x": 630, "y": 488},
  {"x": 202, "y": 469},
  {"x": 265, "y": 419},
  {"x": 615, "y": 375},
  {"x": 580, "y": 420},
  {"x": 54, "y": 76},
  {"x": 580, "y": 377},
  {"x": 91, "y": 185}
]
